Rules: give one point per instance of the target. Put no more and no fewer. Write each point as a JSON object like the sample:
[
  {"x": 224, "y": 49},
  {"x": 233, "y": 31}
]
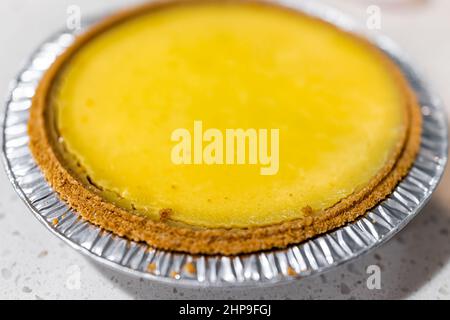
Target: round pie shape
[{"x": 349, "y": 125}]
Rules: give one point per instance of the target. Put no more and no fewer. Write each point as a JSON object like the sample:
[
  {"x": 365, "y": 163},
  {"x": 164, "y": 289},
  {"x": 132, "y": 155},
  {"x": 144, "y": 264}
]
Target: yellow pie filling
[{"x": 337, "y": 106}]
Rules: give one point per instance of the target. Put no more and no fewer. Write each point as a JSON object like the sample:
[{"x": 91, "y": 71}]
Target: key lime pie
[{"x": 219, "y": 78}]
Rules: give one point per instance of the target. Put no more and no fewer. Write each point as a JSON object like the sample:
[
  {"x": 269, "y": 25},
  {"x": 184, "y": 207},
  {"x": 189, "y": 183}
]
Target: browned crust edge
[{"x": 160, "y": 234}]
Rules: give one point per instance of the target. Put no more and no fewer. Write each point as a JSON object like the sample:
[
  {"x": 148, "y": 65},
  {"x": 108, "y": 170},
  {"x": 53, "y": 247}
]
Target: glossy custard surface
[{"x": 337, "y": 106}]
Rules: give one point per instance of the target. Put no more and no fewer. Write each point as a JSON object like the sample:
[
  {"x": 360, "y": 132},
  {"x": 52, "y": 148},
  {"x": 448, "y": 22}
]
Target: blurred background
[{"x": 415, "y": 264}]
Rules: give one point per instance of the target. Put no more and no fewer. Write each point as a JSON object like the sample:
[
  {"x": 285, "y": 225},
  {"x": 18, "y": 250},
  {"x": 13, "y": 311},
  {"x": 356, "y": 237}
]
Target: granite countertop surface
[{"x": 415, "y": 264}]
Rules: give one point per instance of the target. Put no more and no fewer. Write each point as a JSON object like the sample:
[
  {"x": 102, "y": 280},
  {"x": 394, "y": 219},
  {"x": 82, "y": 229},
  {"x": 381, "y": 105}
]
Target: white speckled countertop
[{"x": 415, "y": 264}]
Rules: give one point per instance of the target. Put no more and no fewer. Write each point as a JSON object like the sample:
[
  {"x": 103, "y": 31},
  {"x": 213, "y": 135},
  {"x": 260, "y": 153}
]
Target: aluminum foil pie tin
[{"x": 311, "y": 257}]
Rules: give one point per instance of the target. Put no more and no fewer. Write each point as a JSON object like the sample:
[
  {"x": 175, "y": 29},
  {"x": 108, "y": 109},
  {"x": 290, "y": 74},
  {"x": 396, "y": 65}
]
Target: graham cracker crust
[{"x": 89, "y": 203}]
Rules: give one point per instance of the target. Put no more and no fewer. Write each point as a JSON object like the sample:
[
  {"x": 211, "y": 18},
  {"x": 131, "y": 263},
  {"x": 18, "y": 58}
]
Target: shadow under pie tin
[{"x": 274, "y": 266}]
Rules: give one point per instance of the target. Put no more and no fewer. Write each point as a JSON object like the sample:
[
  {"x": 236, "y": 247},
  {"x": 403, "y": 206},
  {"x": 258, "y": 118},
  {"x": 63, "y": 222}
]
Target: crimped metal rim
[{"x": 264, "y": 268}]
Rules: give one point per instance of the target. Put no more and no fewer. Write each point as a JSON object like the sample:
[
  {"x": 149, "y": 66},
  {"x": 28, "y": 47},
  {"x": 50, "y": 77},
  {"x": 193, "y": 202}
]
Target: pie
[{"x": 103, "y": 118}]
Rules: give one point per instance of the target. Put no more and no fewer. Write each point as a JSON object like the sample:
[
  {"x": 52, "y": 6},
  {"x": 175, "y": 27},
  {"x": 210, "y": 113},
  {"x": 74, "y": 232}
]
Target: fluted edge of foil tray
[{"x": 311, "y": 257}]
